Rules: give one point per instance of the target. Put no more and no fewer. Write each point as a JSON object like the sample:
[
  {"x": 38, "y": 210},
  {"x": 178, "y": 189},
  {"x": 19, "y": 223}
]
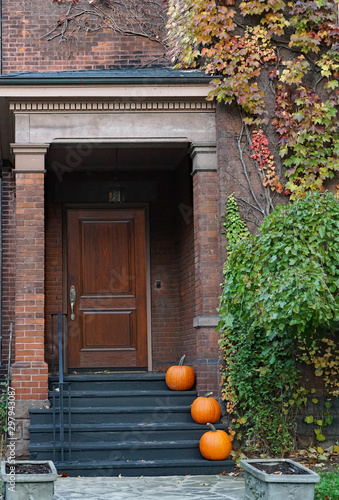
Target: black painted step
[
  {"x": 143, "y": 414},
  {"x": 144, "y": 468},
  {"x": 114, "y": 381},
  {"x": 121, "y": 423},
  {"x": 119, "y": 451},
  {"x": 122, "y": 432},
  {"x": 95, "y": 399}
]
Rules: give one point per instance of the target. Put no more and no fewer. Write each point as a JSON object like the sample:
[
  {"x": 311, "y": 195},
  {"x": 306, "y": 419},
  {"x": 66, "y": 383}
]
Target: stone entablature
[{"x": 145, "y": 118}]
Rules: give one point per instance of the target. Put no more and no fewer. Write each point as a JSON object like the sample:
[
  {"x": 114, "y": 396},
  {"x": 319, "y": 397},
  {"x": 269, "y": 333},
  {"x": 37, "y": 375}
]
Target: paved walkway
[{"x": 149, "y": 488}]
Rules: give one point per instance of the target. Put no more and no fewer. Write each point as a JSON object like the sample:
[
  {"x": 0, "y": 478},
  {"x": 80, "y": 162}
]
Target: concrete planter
[
  {"x": 262, "y": 486},
  {"x": 29, "y": 486}
]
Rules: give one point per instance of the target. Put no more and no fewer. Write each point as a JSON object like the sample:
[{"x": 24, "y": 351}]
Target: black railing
[
  {"x": 63, "y": 359},
  {"x": 60, "y": 388}
]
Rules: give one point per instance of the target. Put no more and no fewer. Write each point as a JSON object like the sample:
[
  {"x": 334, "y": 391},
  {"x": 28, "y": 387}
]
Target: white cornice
[{"x": 156, "y": 91}]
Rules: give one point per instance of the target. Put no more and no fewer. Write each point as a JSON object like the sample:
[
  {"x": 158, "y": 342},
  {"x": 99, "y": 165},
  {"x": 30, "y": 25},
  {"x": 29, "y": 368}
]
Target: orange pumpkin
[
  {"x": 215, "y": 444},
  {"x": 205, "y": 409},
  {"x": 179, "y": 377}
]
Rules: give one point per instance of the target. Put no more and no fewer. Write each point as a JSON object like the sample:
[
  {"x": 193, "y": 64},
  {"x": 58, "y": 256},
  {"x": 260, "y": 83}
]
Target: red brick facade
[
  {"x": 23, "y": 49},
  {"x": 29, "y": 370},
  {"x": 186, "y": 250},
  {"x": 53, "y": 272},
  {"x": 206, "y": 195},
  {"x": 164, "y": 263},
  {"x": 8, "y": 269},
  {"x": 186, "y": 269},
  {"x": 207, "y": 275}
]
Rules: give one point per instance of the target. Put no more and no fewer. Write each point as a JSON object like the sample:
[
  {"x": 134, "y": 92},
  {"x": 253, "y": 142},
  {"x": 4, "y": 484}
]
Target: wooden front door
[{"x": 106, "y": 265}]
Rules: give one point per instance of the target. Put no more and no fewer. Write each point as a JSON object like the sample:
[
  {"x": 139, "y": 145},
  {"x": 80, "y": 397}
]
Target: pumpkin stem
[
  {"x": 182, "y": 359},
  {"x": 213, "y": 429},
  {"x": 208, "y": 394}
]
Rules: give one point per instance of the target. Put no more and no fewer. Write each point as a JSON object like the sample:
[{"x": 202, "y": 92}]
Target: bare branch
[
  {"x": 145, "y": 19},
  {"x": 241, "y": 156}
]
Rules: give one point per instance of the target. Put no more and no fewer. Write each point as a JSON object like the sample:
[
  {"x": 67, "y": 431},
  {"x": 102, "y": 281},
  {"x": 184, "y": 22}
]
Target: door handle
[{"x": 72, "y": 299}]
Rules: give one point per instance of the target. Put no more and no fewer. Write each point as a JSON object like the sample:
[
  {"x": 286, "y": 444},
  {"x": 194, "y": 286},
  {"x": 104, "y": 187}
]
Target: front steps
[{"x": 122, "y": 423}]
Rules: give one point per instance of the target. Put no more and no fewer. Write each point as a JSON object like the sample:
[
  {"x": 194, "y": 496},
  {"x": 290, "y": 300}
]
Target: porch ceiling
[{"x": 107, "y": 157}]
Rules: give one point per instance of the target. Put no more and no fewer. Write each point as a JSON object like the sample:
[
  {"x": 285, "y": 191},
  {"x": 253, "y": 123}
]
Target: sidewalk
[{"x": 147, "y": 488}]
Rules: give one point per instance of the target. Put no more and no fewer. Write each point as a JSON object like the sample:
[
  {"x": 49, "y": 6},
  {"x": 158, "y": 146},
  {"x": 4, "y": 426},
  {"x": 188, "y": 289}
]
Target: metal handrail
[
  {"x": 59, "y": 386},
  {"x": 63, "y": 361}
]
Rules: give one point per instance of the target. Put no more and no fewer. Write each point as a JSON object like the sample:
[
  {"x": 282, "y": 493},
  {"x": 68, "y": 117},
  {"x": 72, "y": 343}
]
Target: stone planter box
[
  {"x": 260, "y": 485},
  {"x": 29, "y": 486}
]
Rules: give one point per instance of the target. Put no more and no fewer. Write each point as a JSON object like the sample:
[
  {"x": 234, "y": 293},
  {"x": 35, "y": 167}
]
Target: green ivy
[
  {"x": 328, "y": 488},
  {"x": 280, "y": 293},
  {"x": 3, "y": 407},
  {"x": 235, "y": 228},
  {"x": 259, "y": 377},
  {"x": 286, "y": 279}
]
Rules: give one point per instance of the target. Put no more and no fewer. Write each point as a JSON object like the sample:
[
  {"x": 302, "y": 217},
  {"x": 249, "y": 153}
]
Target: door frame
[{"x": 110, "y": 206}]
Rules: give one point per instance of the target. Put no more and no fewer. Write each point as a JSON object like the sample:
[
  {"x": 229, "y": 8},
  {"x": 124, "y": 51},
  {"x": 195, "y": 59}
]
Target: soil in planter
[
  {"x": 279, "y": 468},
  {"x": 29, "y": 469}
]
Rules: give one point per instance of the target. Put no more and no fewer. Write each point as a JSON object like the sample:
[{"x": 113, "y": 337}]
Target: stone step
[
  {"x": 118, "y": 451},
  {"x": 95, "y": 399},
  {"x": 113, "y": 381},
  {"x": 143, "y": 414},
  {"x": 136, "y": 468},
  {"x": 168, "y": 431}
]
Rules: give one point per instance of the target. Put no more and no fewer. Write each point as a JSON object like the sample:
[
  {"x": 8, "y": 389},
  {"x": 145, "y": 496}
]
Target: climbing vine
[
  {"x": 264, "y": 50},
  {"x": 280, "y": 307},
  {"x": 235, "y": 228},
  {"x": 260, "y": 51}
]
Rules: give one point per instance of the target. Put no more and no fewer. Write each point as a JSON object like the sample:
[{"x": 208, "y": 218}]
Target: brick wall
[
  {"x": 24, "y": 23},
  {"x": 53, "y": 273},
  {"x": 8, "y": 269},
  {"x": 165, "y": 301},
  {"x": 186, "y": 271},
  {"x": 29, "y": 373},
  {"x": 206, "y": 236},
  {"x": 207, "y": 270}
]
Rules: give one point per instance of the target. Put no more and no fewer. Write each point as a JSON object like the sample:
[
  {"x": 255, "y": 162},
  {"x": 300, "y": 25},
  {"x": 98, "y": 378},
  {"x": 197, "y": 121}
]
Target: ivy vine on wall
[
  {"x": 271, "y": 49},
  {"x": 280, "y": 306}
]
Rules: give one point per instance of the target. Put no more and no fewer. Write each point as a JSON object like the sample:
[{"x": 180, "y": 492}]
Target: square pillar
[
  {"x": 207, "y": 259},
  {"x": 30, "y": 372}
]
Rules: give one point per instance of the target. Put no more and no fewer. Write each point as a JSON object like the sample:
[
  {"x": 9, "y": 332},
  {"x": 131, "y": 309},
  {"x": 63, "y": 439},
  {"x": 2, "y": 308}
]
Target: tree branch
[{"x": 126, "y": 17}]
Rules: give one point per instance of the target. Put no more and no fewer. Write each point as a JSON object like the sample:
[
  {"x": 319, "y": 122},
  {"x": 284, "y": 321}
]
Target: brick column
[
  {"x": 207, "y": 272},
  {"x": 29, "y": 371}
]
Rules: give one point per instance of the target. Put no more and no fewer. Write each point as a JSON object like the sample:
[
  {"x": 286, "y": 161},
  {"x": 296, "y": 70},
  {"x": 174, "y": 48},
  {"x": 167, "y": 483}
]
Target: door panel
[
  {"x": 107, "y": 266},
  {"x": 112, "y": 329},
  {"x": 113, "y": 271}
]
